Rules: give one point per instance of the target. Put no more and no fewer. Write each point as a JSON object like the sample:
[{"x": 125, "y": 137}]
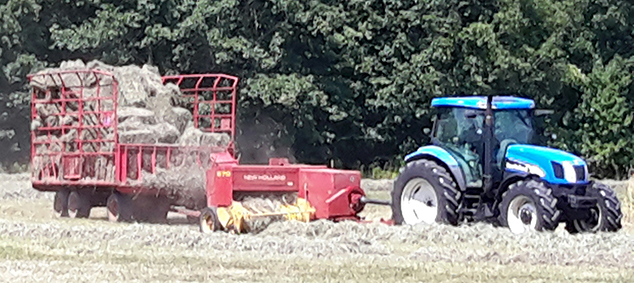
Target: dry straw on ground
[{"x": 627, "y": 202}]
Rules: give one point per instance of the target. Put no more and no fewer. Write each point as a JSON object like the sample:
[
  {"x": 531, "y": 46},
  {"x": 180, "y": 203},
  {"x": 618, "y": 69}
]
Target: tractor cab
[{"x": 460, "y": 129}]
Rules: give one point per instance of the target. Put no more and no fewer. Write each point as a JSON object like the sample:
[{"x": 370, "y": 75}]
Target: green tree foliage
[{"x": 351, "y": 81}]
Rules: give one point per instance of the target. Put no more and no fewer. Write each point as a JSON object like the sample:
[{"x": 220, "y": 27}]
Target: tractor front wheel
[
  {"x": 425, "y": 193},
  {"x": 529, "y": 206},
  {"x": 605, "y": 216}
]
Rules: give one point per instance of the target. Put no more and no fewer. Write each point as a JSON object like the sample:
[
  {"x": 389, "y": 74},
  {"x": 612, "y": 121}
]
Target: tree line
[{"x": 348, "y": 81}]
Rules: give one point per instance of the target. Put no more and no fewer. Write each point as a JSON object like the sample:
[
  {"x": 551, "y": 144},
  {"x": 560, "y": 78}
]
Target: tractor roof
[{"x": 480, "y": 102}]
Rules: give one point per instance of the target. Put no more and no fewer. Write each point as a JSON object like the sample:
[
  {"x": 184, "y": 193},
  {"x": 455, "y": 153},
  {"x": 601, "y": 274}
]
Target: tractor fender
[
  {"x": 511, "y": 177},
  {"x": 442, "y": 157}
]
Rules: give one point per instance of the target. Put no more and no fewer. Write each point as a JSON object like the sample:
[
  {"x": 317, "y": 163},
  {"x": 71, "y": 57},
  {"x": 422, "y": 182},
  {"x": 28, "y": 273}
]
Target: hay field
[{"x": 37, "y": 247}]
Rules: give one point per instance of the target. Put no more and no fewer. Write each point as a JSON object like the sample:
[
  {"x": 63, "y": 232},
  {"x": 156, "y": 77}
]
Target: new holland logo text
[{"x": 265, "y": 177}]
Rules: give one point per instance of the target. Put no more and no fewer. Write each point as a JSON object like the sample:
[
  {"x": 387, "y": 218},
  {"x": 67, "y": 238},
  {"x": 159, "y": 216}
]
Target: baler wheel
[
  {"x": 209, "y": 220},
  {"x": 60, "y": 203},
  {"x": 606, "y": 216},
  {"x": 119, "y": 208},
  {"x": 78, "y": 205}
]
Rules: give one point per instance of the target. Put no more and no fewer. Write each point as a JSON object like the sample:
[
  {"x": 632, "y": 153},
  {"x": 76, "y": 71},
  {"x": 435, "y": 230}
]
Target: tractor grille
[
  {"x": 580, "y": 171},
  {"x": 558, "y": 170}
]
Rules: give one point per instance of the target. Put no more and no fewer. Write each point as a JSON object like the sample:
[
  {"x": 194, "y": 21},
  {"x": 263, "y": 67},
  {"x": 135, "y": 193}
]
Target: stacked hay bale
[{"x": 146, "y": 114}]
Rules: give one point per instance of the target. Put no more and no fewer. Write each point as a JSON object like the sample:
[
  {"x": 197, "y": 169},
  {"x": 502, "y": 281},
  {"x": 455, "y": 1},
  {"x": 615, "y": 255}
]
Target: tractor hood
[{"x": 553, "y": 165}]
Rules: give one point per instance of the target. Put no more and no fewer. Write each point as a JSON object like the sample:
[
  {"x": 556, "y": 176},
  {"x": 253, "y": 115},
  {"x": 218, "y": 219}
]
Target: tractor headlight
[{"x": 569, "y": 172}]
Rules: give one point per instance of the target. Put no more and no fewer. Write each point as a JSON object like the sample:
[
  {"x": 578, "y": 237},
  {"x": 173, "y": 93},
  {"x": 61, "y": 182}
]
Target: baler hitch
[{"x": 365, "y": 200}]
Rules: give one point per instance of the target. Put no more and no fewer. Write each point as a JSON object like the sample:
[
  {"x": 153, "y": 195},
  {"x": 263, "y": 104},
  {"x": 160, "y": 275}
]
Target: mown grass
[
  {"x": 627, "y": 202},
  {"x": 78, "y": 259}
]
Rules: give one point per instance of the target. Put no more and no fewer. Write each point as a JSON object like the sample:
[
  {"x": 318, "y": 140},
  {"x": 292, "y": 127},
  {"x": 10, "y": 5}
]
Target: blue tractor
[{"x": 481, "y": 166}]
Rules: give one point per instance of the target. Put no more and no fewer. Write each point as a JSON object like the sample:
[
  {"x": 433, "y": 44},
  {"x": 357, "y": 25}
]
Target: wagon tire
[
  {"x": 79, "y": 204},
  {"x": 60, "y": 203},
  {"x": 119, "y": 207}
]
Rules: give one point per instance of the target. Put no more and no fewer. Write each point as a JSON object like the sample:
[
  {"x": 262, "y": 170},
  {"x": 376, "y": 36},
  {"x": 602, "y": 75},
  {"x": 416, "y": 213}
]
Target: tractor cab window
[
  {"x": 514, "y": 125},
  {"x": 458, "y": 126},
  {"x": 459, "y": 131}
]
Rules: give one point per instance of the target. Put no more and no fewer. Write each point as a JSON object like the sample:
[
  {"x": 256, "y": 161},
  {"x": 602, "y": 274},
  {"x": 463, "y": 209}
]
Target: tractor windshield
[{"x": 514, "y": 125}]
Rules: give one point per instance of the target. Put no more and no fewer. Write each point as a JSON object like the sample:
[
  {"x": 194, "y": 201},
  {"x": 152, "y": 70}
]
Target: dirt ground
[{"x": 35, "y": 246}]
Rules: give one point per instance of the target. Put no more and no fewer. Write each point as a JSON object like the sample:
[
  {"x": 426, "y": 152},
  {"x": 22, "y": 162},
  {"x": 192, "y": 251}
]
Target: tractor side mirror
[
  {"x": 426, "y": 131},
  {"x": 543, "y": 112}
]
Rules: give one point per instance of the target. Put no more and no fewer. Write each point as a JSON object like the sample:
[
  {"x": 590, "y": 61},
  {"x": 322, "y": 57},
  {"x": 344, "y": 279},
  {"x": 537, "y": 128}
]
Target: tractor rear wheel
[
  {"x": 425, "y": 193},
  {"x": 208, "y": 220},
  {"x": 119, "y": 208},
  {"x": 606, "y": 216},
  {"x": 529, "y": 206},
  {"x": 60, "y": 203},
  {"x": 79, "y": 205}
]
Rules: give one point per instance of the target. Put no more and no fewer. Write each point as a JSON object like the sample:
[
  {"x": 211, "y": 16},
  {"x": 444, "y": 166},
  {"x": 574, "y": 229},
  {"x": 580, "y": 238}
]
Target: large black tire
[
  {"x": 79, "y": 204},
  {"x": 119, "y": 207},
  {"x": 60, "y": 203},
  {"x": 606, "y": 216},
  {"x": 529, "y": 205},
  {"x": 416, "y": 176},
  {"x": 208, "y": 220}
]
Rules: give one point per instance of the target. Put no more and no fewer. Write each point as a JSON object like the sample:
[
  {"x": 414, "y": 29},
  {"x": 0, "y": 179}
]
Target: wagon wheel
[
  {"x": 60, "y": 203},
  {"x": 119, "y": 208},
  {"x": 79, "y": 204}
]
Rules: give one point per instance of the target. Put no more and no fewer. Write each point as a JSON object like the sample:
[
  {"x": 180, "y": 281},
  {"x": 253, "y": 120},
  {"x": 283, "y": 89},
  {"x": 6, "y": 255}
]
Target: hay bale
[
  {"x": 132, "y": 124},
  {"x": 46, "y": 110},
  {"x": 180, "y": 119},
  {"x": 68, "y": 80},
  {"x": 137, "y": 136},
  {"x": 195, "y": 137},
  {"x": 216, "y": 139},
  {"x": 35, "y": 124},
  {"x": 166, "y": 133},
  {"x": 157, "y": 134},
  {"x": 185, "y": 185},
  {"x": 143, "y": 115}
]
